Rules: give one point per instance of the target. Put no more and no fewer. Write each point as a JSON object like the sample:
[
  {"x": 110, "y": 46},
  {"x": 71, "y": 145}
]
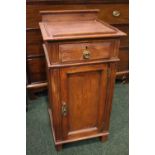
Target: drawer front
[
  {"x": 111, "y": 13},
  {"x": 123, "y": 64},
  {"x": 34, "y": 43},
  {"x": 35, "y": 49},
  {"x": 33, "y": 36},
  {"x": 124, "y": 41},
  {"x": 85, "y": 51},
  {"x": 36, "y": 70},
  {"x": 114, "y": 14}
]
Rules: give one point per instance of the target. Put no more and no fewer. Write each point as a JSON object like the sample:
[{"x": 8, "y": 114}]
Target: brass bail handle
[
  {"x": 86, "y": 53},
  {"x": 64, "y": 109}
]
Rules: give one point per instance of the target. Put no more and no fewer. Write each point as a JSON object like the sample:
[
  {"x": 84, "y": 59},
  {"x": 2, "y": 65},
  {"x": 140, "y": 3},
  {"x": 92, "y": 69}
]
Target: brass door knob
[
  {"x": 86, "y": 53},
  {"x": 116, "y": 13}
]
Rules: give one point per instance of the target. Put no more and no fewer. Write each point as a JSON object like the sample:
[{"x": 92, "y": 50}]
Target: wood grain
[
  {"x": 59, "y": 2},
  {"x": 74, "y": 52},
  {"x": 106, "y": 12},
  {"x": 123, "y": 65},
  {"x": 36, "y": 69},
  {"x": 34, "y": 39},
  {"x": 124, "y": 41},
  {"x": 58, "y": 30},
  {"x": 80, "y": 91},
  {"x": 86, "y": 90}
]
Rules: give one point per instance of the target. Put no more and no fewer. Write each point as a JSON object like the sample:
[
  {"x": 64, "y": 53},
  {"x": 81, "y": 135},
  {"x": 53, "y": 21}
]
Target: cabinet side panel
[
  {"x": 110, "y": 91},
  {"x": 55, "y": 102}
]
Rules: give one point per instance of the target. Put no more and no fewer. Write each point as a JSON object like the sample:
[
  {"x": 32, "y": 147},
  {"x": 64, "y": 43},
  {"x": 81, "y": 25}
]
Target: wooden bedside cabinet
[{"x": 81, "y": 55}]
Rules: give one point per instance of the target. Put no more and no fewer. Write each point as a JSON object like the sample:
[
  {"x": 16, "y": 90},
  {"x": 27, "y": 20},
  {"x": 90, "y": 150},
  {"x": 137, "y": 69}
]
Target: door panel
[
  {"x": 83, "y": 92},
  {"x": 87, "y": 86}
]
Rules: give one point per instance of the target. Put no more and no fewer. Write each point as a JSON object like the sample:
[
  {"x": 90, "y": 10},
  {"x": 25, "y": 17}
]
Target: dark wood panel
[
  {"x": 35, "y": 49},
  {"x": 36, "y": 70},
  {"x": 33, "y": 36},
  {"x": 124, "y": 42},
  {"x": 75, "y": 1},
  {"x": 106, "y": 12},
  {"x": 34, "y": 43},
  {"x": 123, "y": 64}
]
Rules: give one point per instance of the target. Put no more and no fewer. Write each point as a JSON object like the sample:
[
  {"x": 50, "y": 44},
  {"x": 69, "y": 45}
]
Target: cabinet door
[{"x": 83, "y": 98}]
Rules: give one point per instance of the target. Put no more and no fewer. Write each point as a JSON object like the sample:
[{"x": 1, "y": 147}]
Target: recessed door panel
[
  {"x": 83, "y": 90},
  {"x": 83, "y": 97}
]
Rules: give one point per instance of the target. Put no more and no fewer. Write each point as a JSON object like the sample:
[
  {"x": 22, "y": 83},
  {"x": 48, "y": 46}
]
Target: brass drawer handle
[
  {"x": 116, "y": 13},
  {"x": 64, "y": 109},
  {"x": 86, "y": 53}
]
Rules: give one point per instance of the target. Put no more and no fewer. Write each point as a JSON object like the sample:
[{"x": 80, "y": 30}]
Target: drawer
[
  {"x": 35, "y": 49},
  {"x": 85, "y": 51},
  {"x": 114, "y": 14},
  {"x": 124, "y": 42},
  {"x": 33, "y": 36},
  {"x": 36, "y": 70},
  {"x": 123, "y": 64}
]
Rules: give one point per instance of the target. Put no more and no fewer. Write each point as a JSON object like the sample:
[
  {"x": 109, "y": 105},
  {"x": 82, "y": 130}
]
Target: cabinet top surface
[{"x": 69, "y": 24}]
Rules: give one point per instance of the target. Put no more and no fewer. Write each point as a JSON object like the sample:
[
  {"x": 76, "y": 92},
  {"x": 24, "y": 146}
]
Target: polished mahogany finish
[{"x": 81, "y": 67}]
